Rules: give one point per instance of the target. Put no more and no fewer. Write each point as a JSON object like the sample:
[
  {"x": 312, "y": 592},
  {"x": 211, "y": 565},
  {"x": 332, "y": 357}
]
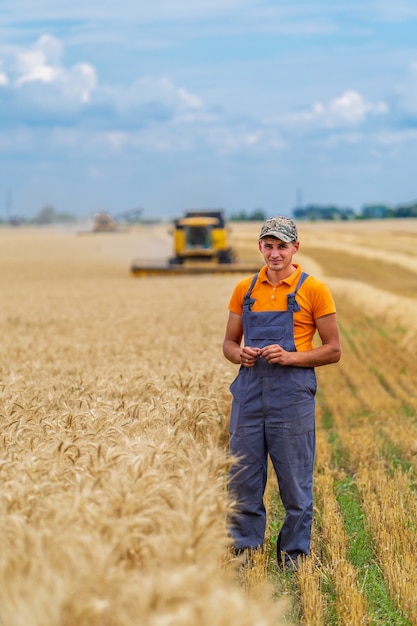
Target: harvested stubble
[
  {"x": 350, "y": 603},
  {"x": 114, "y": 404},
  {"x": 368, "y": 404},
  {"x": 391, "y": 508}
]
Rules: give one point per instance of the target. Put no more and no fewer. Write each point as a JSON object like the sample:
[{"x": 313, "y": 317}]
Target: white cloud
[
  {"x": 79, "y": 82},
  {"x": 163, "y": 90},
  {"x": 348, "y": 110},
  {"x": 147, "y": 100},
  {"x": 41, "y": 64},
  {"x": 352, "y": 109},
  {"x": 43, "y": 92}
]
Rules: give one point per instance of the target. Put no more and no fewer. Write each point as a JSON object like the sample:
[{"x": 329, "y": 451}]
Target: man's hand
[
  {"x": 248, "y": 356},
  {"x": 276, "y": 354}
]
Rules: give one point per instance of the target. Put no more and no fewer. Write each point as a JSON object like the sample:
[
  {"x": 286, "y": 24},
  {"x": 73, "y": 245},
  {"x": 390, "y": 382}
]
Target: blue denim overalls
[{"x": 273, "y": 411}]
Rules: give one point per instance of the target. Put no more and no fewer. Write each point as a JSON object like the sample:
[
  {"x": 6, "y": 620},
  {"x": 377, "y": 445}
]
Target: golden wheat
[{"x": 114, "y": 412}]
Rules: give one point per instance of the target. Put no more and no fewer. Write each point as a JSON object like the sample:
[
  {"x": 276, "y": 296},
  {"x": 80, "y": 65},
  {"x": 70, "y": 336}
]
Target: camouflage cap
[{"x": 281, "y": 227}]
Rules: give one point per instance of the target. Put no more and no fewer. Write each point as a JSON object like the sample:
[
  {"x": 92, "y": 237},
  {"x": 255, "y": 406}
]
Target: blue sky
[{"x": 177, "y": 104}]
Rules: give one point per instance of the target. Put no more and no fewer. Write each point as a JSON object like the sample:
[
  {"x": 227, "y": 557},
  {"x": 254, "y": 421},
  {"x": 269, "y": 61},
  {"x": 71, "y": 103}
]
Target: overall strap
[
  {"x": 302, "y": 278},
  {"x": 292, "y": 304},
  {"x": 247, "y": 300}
]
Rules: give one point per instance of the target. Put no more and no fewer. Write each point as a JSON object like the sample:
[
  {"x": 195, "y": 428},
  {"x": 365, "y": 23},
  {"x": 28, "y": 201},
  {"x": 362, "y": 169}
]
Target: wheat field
[{"x": 114, "y": 413}]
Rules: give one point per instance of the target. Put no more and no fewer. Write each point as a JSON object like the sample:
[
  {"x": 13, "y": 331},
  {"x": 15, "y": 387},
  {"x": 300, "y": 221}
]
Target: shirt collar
[{"x": 263, "y": 278}]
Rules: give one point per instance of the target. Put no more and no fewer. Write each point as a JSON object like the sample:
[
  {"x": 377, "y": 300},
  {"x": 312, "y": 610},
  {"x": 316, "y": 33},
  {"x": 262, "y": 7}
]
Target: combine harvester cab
[{"x": 201, "y": 246}]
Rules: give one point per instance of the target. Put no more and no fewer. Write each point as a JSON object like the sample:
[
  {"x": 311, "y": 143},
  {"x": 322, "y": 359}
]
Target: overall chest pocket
[
  {"x": 271, "y": 333},
  {"x": 266, "y": 327}
]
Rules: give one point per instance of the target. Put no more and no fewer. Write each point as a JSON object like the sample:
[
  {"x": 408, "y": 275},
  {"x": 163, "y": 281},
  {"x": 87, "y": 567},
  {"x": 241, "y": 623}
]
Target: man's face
[{"x": 277, "y": 254}]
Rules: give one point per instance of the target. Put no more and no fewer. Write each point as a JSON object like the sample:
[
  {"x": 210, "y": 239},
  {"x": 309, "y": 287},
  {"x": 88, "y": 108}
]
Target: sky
[{"x": 171, "y": 105}]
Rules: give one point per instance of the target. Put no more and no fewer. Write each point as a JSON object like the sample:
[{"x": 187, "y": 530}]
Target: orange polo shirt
[{"x": 313, "y": 297}]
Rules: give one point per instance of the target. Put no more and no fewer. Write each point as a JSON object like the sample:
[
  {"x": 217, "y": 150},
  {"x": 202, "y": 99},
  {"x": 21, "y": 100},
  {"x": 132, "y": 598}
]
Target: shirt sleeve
[
  {"x": 238, "y": 295},
  {"x": 321, "y": 299}
]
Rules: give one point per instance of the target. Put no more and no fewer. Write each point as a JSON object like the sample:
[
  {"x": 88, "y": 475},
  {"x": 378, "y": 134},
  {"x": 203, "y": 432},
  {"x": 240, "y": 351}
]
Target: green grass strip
[
  {"x": 361, "y": 554},
  {"x": 327, "y": 416}
]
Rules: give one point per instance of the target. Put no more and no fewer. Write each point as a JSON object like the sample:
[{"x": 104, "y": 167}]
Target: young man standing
[{"x": 277, "y": 313}]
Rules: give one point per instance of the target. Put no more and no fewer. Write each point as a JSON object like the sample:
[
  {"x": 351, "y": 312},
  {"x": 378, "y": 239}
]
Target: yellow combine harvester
[
  {"x": 104, "y": 223},
  {"x": 201, "y": 246}
]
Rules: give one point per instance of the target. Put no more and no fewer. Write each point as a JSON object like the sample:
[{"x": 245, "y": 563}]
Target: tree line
[
  {"x": 368, "y": 211},
  {"x": 312, "y": 212}
]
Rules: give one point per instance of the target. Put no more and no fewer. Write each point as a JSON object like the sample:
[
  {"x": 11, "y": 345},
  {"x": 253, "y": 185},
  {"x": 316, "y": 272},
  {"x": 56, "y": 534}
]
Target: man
[{"x": 277, "y": 312}]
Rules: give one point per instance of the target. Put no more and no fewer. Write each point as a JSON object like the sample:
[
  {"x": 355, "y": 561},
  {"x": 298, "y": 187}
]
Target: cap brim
[{"x": 277, "y": 235}]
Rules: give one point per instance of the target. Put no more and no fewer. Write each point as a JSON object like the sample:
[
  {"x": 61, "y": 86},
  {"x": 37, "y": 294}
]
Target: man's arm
[
  {"x": 232, "y": 349},
  {"x": 328, "y": 352}
]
